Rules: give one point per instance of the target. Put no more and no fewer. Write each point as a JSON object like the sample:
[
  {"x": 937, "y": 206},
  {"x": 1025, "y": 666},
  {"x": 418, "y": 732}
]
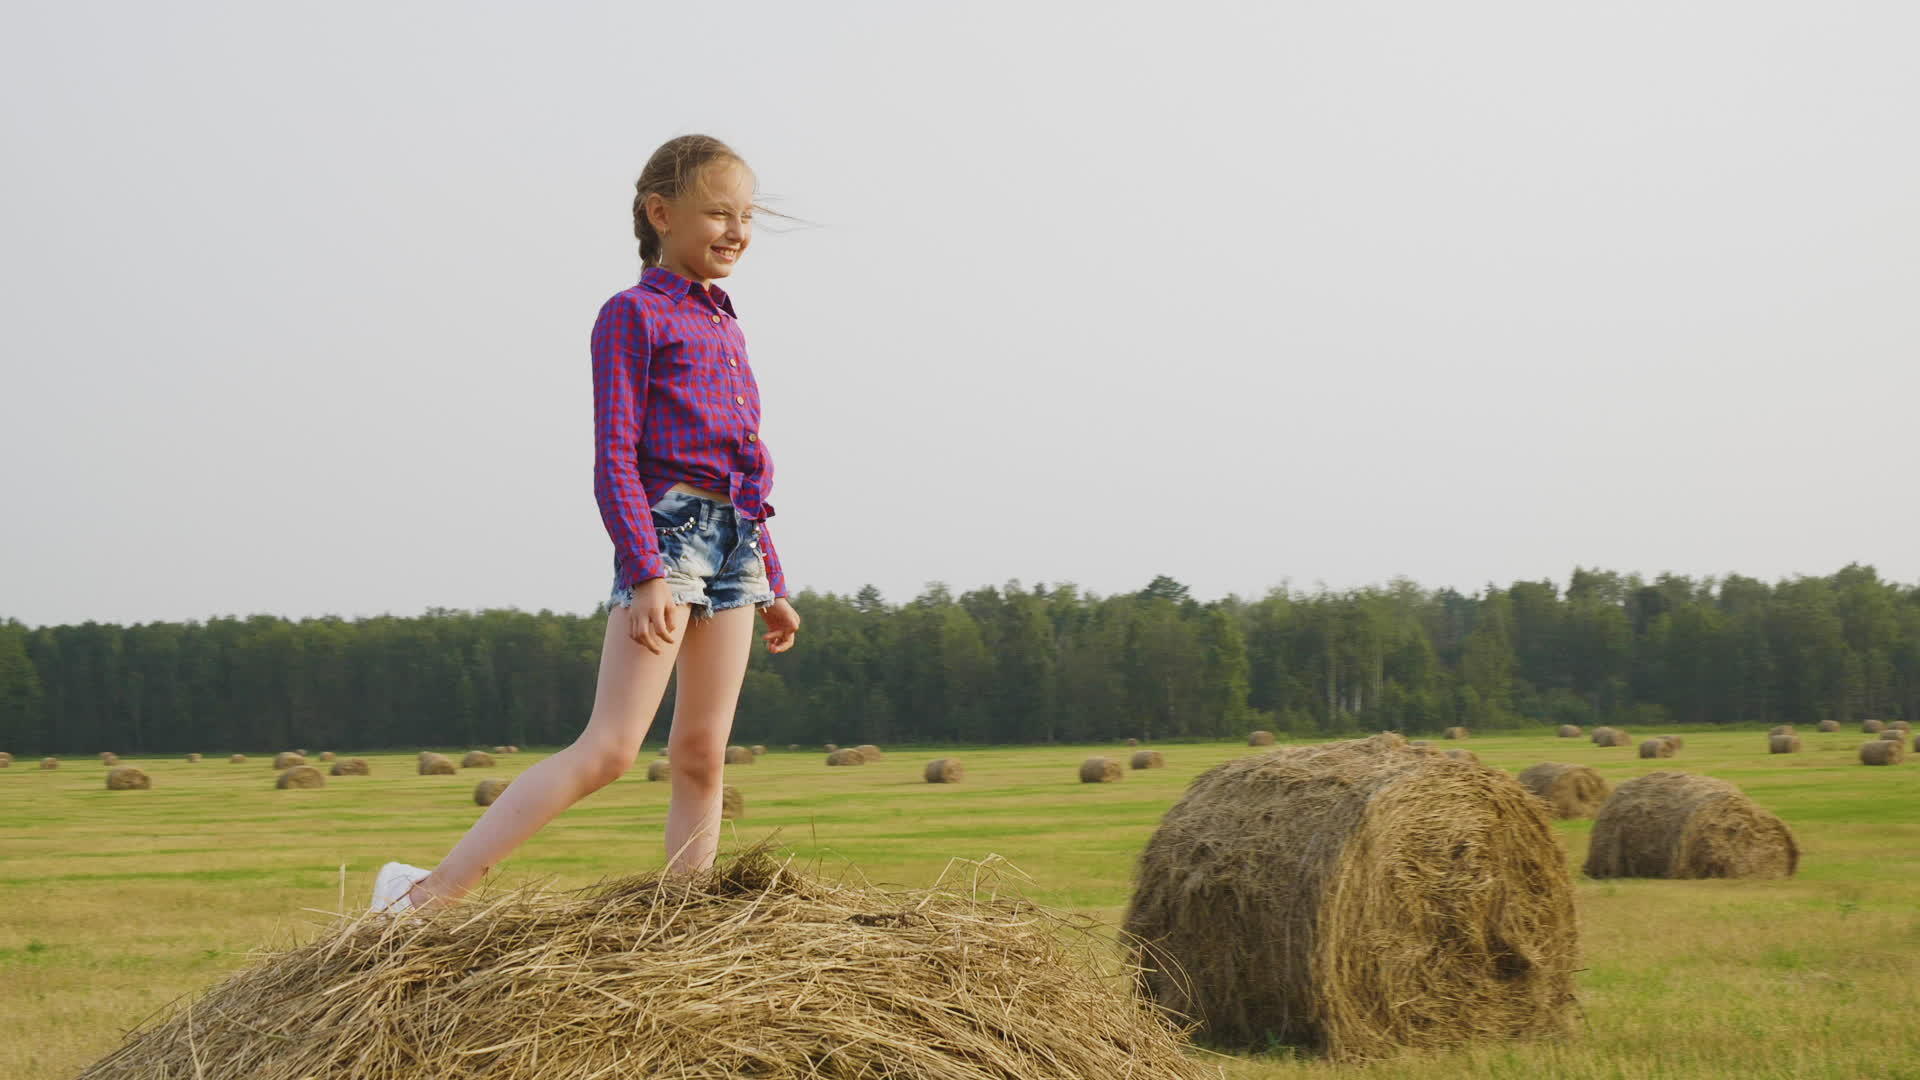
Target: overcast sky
[{"x": 297, "y": 299}]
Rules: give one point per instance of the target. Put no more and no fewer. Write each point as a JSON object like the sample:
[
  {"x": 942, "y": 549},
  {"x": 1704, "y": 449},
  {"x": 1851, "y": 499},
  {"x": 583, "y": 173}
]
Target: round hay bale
[
  {"x": 1612, "y": 737},
  {"x": 1133, "y": 742},
  {"x": 6, "y": 762},
  {"x": 477, "y": 759},
  {"x": 127, "y": 778},
  {"x": 680, "y": 975},
  {"x": 1569, "y": 731},
  {"x": 793, "y": 748},
  {"x": 1462, "y": 754},
  {"x": 1899, "y": 725},
  {"x": 848, "y": 756},
  {"x": 1783, "y": 744},
  {"x": 6, "y": 756},
  {"x": 302, "y": 751},
  {"x": 757, "y": 749},
  {"x": 1149, "y": 759},
  {"x": 49, "y": 763},
  {"x": 659, "y": 769},
  {"x": 1100, "y": 770},
  {"x": 1882, "y": 752},
  {"x": 237, "y": 759},
  {"x": 1260, "y": 738},
  {"x": 300, "y": 776},
  {"x": 1873, "y": 727},
  {"x": 1656, "y": 748},
  {"x": 1356, "y": 898},
  {"x": 432, "y": 764},
  {"x": 1679, "y": 742},
  {"x": 353, "y": 766},
  {"x": 945, "y": 770},
  {"x": 1780, "y": 729},
  {"x": 831, "y": 747},
  {"x": 1685, "y": 825},
  {"x": 1454, "y": 733},
  {"x": 869, "y": 751},
  {"x": 108, "y": 757},
  {"x": 327, "y": 755},
  {"x": 1570, "y": 791},
  {"x": 1829, "y": 725},
  {"x": 193, "y": 759},
  {"x": 732, "y": 804},
  {"x": 488, "y": 790},
  {"x": 502, "y": 749},
  {"x": 287, "y": 759},
  {"x": 739, "y": 755},
  {"x": 1893, "y": 735},
  {"x": 1602, "y": 735}
]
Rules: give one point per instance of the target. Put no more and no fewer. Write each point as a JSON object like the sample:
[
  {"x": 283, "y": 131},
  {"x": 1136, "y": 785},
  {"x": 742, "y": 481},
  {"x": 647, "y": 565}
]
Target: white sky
[{"x": 297, "y": 301}]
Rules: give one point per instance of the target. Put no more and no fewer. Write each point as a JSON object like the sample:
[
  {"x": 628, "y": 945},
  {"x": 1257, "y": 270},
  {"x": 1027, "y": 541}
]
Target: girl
[{"x": 682, "y": 479}]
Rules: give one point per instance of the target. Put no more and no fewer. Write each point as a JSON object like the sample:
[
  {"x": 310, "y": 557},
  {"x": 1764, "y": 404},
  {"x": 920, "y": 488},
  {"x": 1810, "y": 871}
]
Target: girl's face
[{"x": 704, "y": 233}]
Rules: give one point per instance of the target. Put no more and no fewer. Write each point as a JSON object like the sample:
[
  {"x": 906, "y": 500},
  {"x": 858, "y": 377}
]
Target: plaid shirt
[{"x": 674, "y": 400}]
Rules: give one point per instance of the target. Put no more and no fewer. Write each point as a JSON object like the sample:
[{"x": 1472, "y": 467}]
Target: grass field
[{"x": 113, "y": 903}]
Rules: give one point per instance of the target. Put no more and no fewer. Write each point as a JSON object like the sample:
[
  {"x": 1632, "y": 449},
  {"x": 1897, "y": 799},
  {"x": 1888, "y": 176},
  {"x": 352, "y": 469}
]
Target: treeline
[{"x": 1007, "y": 665}]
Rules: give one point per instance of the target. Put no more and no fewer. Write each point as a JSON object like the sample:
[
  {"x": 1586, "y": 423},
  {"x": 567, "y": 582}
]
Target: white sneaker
[{"x": 391, "y": 884}]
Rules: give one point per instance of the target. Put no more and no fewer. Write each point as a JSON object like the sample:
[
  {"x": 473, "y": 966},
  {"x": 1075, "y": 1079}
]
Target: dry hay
[
  {"x": 1100, "y": 770},
  {"x": 848, "y": 756},
  {"x": 488, "y": 790},
  {"x": 1780, "y": 729},
  {"x": 1783, "y": 744},
  {"x": 49, "y": 763},
  {"x": 353, "y": 766},
  {"x": 1679, "y": 743},
  {"x": 1893, "y": 735},
  {"x": 108, "y": 757},
  {"x": 945, "y": 770},
  {"x": 127, "y": 778},
  {"x": 1685, "y": 825},
  {"x": 1882, "y": 752},
  {"x": 831, "y": 747},
  {"x": 757, "y": 749},
  {"x": 432, "y": 764},
  {"x": 1611, "y": 737},
  {"x": 193, "y": 759},
  {"x": 1873, "y": 727},
  {"x": 287, "y": 759},
  {"x": 1569, "y": 731},
  {"x": 301, "y": 776},
  {"x": 1260, "y": 738},
  {"x": 6, "y": 756},
  {"x": 477, "y": 759},
  {"x": 501, "y": 749},
  {"x": 659, "y": 769},
  {"x": 1149, "y": 759},
  {"x": 237, "y": 759},
  {"x": 1133, "y": 742},
  {"x": 1900, "y": 725},
  {"x": 739, "y": 755},
  {"x": 869, "y": 751},
  {"x": 1657, "y": 747},
  {"x": 1356, "y": 898},
  {"x": 1570, "y": 791},
  {"x": 1462, "y": 754},
  {"x": 1829, "y": 725},
  {"x": 1454, "y": 733},
  {"x": 750, "y": 969},
  {"x": 326, "y": 755},
  {"x": 302, "y": 752},
  {"x": 732, "y": 804},
  {"x": 6, "y": 762}
]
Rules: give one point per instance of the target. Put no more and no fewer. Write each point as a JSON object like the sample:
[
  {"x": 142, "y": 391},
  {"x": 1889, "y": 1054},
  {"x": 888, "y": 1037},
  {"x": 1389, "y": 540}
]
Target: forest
[{"x": 1005, "y": 665}]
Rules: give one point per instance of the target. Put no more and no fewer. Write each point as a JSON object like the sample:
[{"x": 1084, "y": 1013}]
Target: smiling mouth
[{"x": 729, "y": 254}]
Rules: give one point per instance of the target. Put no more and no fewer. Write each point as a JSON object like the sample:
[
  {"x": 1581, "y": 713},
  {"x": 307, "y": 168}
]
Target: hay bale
[
  {"x": 127, "y": 778},
  {"x": 49, "y": 763},
  {"x": 1133, "y": 742},
  {"x": 1899, "y": 725},
  {"x": 945, "y": 770},
  {"x": 671, "y": 975},
  {"x": 1149, "y": 759},
  {"x": 237, "y": 759},
  {"x": 739, "y": 755},
  {"x": 488, "y": 790},
  {"x": 1260, "y": 738},
  {"x": 1570, "y": 791},
  {"x": 1454, "y": 733},
  {"x": 869, "y": 751},
  {"x": 1462, "y": 754},
  {"x": 659, "y": 769},
  {"x": 300, "y": 776},
  {"x": 432, "y": 764},
  {"x": 831, "y": 747},
  {"x": 1679, "y": 743},
  {"x": 1569, "y": 731},
  {"x": 1873, "y": 727},
  {"x": 193, "y": 759},
  {"x": 1612, "y": 737},
  {"x": 326, "y": 755},
  {"x": 302, "y": 752},
  {"x": 108, "y": 757},
  {"x": 6, "y": 756},
  {"x": 477, "y": 759},
  {"x": 1684, "y": 825},
  {"x": 1829, "y": 725},
  {"x": 1355, "y": 898},
  {"x": 287, "y": 759},
  {"x": 353, "y": 766},
  {"x": 502, "y": 749},
  {"x": 1893, "y": 735},
  {"x": 732, "y": 804},
  {"x": 848, "y": 756},
  {"x": 1656, "y": 748},
  {"x": 1601, "y": 734},
  {"x": 1100, "y": 770},
  {"x": 1882, "y": 752},
  {"x": 793, "y": 748},
  {"x": 757, "y": 749},
  {"x": 1783, "y": 744},
  {"x": 6, "y": 762},
  {"x": 1780, "y": 729}
]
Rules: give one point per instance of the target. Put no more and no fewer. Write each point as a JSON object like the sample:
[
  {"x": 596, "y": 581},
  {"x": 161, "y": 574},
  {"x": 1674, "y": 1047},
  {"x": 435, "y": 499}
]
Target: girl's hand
[
  {"x": 782, "y": 623},
  {"x": 651, "y": 618}
]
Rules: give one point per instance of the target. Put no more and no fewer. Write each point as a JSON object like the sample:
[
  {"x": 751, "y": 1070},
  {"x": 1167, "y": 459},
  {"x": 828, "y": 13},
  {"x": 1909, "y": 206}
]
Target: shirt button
[
  {"x": 751, "y": 436},
  {"x": 732, "y": 362},
  {"x": 716, "y": 318},
  {"x": 738, "y": 400}
]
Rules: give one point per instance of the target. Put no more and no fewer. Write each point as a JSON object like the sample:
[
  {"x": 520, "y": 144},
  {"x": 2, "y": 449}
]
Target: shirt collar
[{"x": 664, "y": 281}]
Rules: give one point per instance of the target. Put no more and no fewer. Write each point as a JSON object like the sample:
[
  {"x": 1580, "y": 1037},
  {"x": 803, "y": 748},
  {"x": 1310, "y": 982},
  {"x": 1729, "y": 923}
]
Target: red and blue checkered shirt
[{"x": 674, "y": 400}]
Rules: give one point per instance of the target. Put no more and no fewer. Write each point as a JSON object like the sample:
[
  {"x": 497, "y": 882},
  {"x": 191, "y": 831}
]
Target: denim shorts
[{"x": 712, "y": 556}]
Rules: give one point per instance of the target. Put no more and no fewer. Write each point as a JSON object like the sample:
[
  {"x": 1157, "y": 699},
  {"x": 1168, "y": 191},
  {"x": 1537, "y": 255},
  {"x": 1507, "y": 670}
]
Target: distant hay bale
[
  {"x": 477, "y": 759},
  {"x": 6, "y": 756},
  {"x": 1260, "y": 738},
  {"x": 1783, "y": 744},
  {"x": 1462, "y": 754},
  {"x": 793, "y": 748},
  {"x": 757, "y": 749},
  {"x": 1611, "y": 737},
  {"x": 732, "y": 804},
  {"x": 848, "y": 756},
  {"x": 193, "y": 759},
  {"x": 1685, "y": 825},
  {"x": 1781, "y": 729},
  {"x": 1100, "y": 770},
  {"x": 659, "y": 769},
  {"x": 488, "y": 790},
  {"x": 1679, "y": 742},
  {"x": 1893, "y": 735},
  {"x": 1356, "y": 898},
  {"x": 1569, "y": 731},
  {"x": 513, "y": 748},
  {"x": 287, "y": 759},
  {"x": 353, "y": 766},
  {"x": 1149, "y": 759},
  {"x": 1873, "y": 727},
  {"x": 1656, "y": 748},
  {"x": 432, "y": 764},
  {"x": 502, "y": 749},
  {"x": 108, "y": 757},
  {"x": 831, "y": 747},
  {"x": 6, "y": 762},
  {"x": 49, "y": 763},
  {"x": 1454, "y": 733},
  {"x": 237, "y": 759},
  {"x": 869, "y": 751},
  {"x": 1570, "y": 791},
  {"x": 326, "y": 755},
  {"x": 945, "y": 770},
  {"x": 300, "y": 776},
  {"x": 1602, "y": 736},
  {"x": 748, "y": 969},
  {"x": 1900, "y": 725},
  {"x": 127, "y": 778},
  {"x": 1133, "y": 742},
  {"x": 302, "y": 751},
  {"x": 1882, "y": 752},
  {"x": 1829, "y": 725},
  {"x": 739, "y": 755}
]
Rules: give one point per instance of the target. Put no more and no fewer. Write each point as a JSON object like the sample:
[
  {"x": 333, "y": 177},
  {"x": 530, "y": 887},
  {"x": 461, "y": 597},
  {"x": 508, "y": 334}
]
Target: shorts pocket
[{"x": 677, "y": 522}]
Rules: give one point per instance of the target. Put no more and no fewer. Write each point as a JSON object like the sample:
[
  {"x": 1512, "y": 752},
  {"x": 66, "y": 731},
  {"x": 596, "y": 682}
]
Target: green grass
[{"x": 113, "y": 903}]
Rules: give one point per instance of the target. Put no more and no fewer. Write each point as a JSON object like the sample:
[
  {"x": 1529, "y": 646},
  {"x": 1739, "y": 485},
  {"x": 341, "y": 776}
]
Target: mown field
[{"x": 113, "y": 903}]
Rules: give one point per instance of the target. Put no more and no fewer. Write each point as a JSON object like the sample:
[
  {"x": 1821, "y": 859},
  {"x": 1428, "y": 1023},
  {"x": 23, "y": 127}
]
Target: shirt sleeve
[
  {"x": 776, "y": 580},
  {"x": 621, "y": 351}
]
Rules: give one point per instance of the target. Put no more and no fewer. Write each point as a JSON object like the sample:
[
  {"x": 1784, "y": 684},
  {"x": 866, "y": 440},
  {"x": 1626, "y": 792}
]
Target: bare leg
[
  {"x": 631, "y": 683},
  {"x": 713, "y": 661}
]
